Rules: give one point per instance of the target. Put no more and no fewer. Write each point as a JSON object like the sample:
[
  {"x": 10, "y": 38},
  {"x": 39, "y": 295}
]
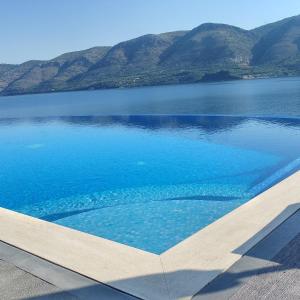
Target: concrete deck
[
  {"x": 278, "y": 279},
  {"x": 271, "y": 270},
  {"x": 18, "y": 284},
  {"x": 26, "y": 276}
]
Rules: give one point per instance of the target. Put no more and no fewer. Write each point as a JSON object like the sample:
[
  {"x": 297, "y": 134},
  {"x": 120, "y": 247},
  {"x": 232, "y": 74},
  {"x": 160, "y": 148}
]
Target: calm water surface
[
  {"x": 276, "y": 97},
  {"x": 94, "y": 162}
]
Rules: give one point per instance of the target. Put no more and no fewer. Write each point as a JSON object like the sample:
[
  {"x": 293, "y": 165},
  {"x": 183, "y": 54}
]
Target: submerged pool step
[
  {"x": 54, "y": 209},
  {"x": 276, "y": 177}
]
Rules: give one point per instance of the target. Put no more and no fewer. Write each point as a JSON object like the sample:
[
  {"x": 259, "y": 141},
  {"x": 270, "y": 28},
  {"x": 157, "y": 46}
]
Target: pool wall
[{"x": 178, "y": 273}]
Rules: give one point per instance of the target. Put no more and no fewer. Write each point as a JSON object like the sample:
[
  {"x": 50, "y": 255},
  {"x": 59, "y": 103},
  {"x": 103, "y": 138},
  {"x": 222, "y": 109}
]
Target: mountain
[
  {"x": 130, "y": 58},
  {"x": 209, "y": 52},
  {"x": 49, "y": 75},
  {"x": 5, "y": 67},
  {"x": 279, "y": 43},
  {"x": 211, "y": 44}
]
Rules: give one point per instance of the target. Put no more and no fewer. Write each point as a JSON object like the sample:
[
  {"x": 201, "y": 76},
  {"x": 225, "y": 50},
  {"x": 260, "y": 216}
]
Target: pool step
[{"x": 276, "y": 177}]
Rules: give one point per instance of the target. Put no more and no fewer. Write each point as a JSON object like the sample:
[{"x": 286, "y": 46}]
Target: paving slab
[
  {"x": 18, "y": 284},
  {"x": 271, "y": 270}
]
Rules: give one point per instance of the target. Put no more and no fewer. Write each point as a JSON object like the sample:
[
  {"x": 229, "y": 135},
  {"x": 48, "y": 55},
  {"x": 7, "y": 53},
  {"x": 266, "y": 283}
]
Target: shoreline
[{"x": 146, "y": 86}]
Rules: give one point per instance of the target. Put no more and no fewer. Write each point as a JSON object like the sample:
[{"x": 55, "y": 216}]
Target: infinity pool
[{"x": 145, "y": 181}]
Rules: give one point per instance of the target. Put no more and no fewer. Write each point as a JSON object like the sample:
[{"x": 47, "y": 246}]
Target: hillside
[
  {"x": 210, "y": 44},
  {"x": 129, "y": 58},
  {"x": 278, "y": 44},
  {"x": 208, "y": 52},
  {"x": 52, "y": 73}
]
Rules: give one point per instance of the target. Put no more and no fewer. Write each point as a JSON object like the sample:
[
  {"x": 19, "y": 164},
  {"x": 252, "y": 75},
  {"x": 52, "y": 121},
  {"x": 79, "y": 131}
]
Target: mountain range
[{"x": 209, "y": 52}]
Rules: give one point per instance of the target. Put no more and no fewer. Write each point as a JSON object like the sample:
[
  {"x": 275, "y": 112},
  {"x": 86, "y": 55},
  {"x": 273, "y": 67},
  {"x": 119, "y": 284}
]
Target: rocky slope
[{"x": 207, "y": 52}]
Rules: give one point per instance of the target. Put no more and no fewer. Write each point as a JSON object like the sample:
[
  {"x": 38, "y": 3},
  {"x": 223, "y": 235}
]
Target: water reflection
[{"x": 208, "y": 124}]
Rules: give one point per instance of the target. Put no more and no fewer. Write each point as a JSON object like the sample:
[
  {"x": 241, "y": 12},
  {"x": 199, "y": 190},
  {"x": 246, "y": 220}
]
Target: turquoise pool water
[{"x": 145, "y": 181}]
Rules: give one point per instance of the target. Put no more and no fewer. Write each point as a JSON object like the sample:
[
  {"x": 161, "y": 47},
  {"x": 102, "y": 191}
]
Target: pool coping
[{"x": 178, "y": 273}]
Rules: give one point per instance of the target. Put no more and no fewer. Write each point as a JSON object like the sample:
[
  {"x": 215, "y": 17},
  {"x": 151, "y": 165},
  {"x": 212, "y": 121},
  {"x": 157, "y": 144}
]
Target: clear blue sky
[{"x": 42, "y": 29}]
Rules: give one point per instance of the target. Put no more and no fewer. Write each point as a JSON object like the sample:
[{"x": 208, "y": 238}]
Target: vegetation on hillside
[{"x": 209, "y": 52}]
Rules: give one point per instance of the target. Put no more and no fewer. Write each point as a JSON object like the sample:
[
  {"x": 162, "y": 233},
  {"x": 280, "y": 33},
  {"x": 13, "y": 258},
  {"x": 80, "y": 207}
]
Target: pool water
[{"x": 145, "y": 181}]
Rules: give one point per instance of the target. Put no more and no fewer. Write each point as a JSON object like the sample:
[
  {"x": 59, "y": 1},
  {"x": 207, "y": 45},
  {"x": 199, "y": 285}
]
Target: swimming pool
[{"x": 145, "y": 181}]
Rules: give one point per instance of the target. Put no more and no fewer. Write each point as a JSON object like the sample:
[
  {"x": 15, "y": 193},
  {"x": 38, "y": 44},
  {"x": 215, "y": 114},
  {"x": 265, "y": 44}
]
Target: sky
[{"x": 43, "y": 29}]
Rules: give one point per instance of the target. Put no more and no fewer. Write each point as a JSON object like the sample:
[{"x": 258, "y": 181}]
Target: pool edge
[{"x": 178, "y": 273}]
